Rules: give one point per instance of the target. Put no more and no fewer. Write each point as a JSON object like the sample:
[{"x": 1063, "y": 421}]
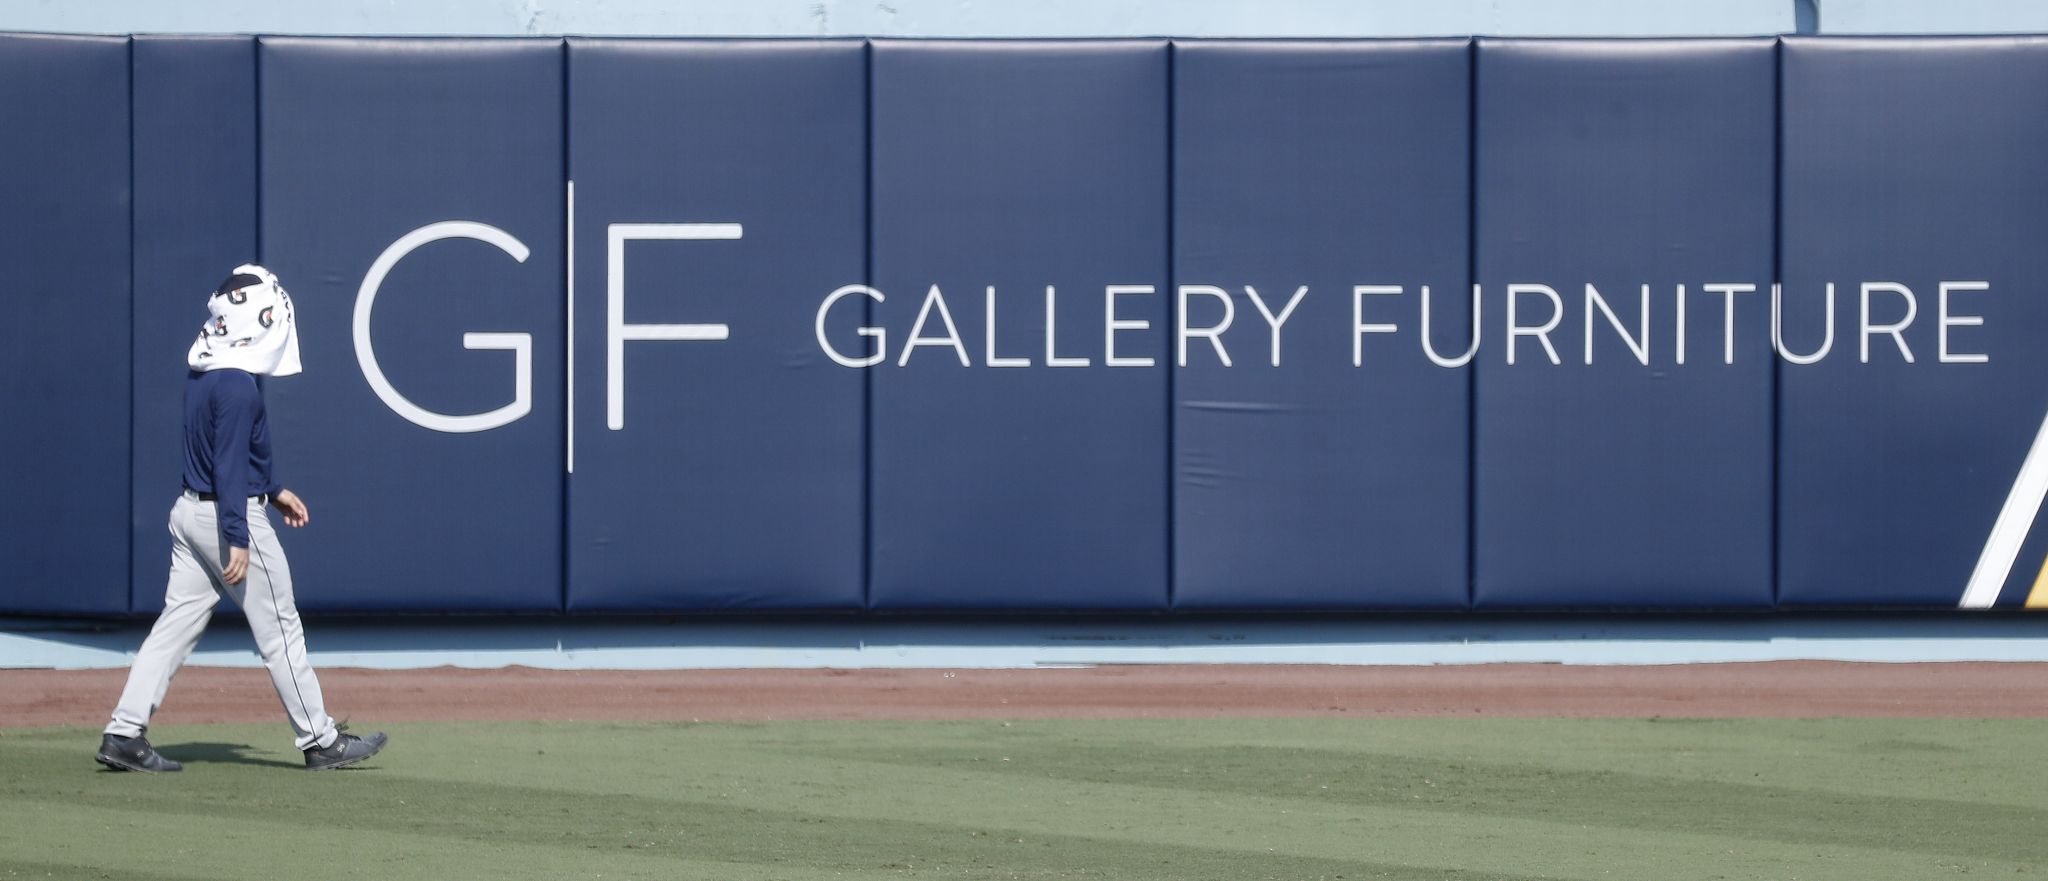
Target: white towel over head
[{"x": 249, "y": 326}]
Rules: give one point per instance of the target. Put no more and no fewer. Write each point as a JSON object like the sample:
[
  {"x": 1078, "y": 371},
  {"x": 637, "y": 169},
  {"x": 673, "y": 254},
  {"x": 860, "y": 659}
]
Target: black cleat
[
  {"x": 347, "y": 750},
  {"x": 133, "y": 754}
]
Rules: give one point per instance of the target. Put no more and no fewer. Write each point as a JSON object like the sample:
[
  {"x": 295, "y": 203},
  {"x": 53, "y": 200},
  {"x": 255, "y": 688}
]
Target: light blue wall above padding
[
  {"x": 1054, "y": 18},
  {"x": 922, "y": 18}
]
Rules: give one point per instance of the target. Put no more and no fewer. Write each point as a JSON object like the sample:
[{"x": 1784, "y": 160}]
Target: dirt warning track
[{"x": 1795, "y": 688}]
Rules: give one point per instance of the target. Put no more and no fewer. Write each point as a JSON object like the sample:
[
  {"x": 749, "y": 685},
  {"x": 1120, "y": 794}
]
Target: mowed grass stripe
[
  {"x": 1268, "y": 830},
  {"x": 1236, "y": 820},
  {"x": 141, "y": 842},
  {"x": 11, "y": 869},
  {"x": 1965, "y": 759},
  {"x": 1758, "y": 811},
  {"x": 1798, "y": 781},
  {"x": 578, "y": 816},
  {"x": 1088, "y": 799},
  {"x": 1481, "y": 842}
]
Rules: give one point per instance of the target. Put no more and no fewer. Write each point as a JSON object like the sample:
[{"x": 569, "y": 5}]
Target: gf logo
[{"x": 617, "y": 330}]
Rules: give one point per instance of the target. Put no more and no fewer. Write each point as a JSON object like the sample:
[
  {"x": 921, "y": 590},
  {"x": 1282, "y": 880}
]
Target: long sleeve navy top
[{"x": 227, "y": 446}]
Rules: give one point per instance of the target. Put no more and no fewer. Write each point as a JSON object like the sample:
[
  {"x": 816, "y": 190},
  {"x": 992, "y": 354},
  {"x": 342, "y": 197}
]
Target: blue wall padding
[
  {"x": 736, "y": 479},
  {"x": 363, "y": 142},
  {"x": 1317, "y": 484},
  {"x": 1620, "y": 164},
  {"x": 757, "y": 473},
  {"x": 1019, "y": 165},
  {"x": 64, "y": 246},
  {"x": 1913, "y": 161},
  {"x": 195, "y": 220}
]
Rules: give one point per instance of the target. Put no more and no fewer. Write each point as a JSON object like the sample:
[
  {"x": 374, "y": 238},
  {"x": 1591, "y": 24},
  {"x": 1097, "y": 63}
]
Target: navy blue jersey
[{"x": 227, "y": 446}]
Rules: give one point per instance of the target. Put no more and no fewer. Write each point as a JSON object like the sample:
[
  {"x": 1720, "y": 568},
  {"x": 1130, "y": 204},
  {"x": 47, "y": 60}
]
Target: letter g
[{"x": 521, "y": 344}]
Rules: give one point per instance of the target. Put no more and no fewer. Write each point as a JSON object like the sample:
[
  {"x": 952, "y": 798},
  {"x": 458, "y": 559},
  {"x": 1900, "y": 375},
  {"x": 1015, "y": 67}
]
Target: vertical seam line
[
  {"x": 867, "y": 376},
  {"x": 256, "y": 111},
  {"x": 1777, "y": 290},
  {"x": 568, "y": 344},
  {"x": 1167, "y": 356},
  {"x": 133, "y": 205},
  {"x": 1472, "y": 368}
]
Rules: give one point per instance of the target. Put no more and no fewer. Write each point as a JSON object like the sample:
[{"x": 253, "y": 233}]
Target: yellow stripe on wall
[{"x": 2038, "y": 597}]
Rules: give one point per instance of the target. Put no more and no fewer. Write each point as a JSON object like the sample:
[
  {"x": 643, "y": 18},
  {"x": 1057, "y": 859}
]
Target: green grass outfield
[{"x": 1236, "y": 799}]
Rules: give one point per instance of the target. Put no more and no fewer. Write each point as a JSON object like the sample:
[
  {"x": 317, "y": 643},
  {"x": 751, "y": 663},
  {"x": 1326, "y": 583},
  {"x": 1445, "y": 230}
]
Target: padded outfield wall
[{"x": 600, "y": 325}]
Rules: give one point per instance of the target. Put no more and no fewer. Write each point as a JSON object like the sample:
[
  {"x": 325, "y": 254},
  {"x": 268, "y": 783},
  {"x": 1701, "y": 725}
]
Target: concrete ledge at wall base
[{"x": 855, "y": 643}]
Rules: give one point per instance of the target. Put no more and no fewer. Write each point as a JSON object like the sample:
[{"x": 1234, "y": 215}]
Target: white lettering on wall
[
  {"x": 617, "y": 331},
  {"x": 519, "y": 344},
  {"x": 1897, "y": 330}
]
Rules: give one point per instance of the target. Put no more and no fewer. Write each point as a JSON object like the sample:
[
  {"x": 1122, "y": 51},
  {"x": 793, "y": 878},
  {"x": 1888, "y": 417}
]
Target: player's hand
[
  {"x": 237, "y": 567},
  {"x": 293, "y": 509}
]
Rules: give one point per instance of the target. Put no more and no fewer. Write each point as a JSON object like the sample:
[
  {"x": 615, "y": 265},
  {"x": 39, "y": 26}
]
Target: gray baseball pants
[{"x": 197, "y": 555}]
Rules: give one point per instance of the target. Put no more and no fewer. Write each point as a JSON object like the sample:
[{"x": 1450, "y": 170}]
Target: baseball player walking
[{"x": 222, "y": 541}]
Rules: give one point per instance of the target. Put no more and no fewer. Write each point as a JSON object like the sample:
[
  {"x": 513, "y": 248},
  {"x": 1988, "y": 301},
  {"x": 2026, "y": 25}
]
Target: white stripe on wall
[{"x": 2015, "y": 520}]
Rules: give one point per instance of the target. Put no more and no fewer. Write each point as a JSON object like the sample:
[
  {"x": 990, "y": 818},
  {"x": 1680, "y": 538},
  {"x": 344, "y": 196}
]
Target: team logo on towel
[
  {"x": 264, "y": 316},
  {"x": 241, "y": 343},
  {"x": 236, "y": 287},
  {"x": 220, "y": 326}
]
